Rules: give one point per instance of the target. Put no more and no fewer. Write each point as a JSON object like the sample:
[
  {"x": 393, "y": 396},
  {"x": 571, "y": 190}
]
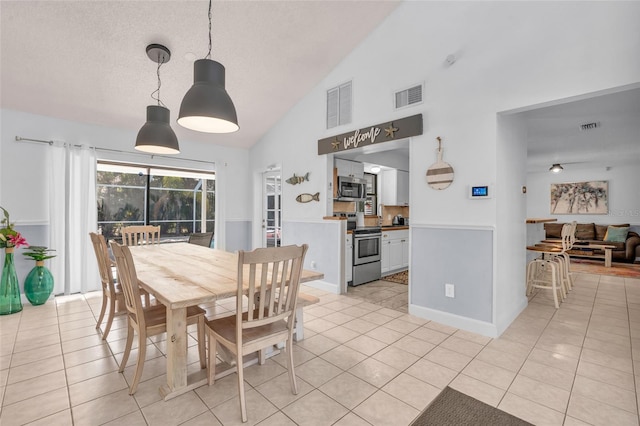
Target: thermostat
[{"x": 480, "y": 192}]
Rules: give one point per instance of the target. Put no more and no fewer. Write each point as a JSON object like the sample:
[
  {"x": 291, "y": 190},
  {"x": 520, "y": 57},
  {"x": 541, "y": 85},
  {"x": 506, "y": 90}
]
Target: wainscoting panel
[{"x": 459, "y": 256}]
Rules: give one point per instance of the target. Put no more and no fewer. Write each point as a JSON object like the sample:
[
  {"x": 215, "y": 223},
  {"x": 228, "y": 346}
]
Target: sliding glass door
[{"x": 180, "y": 201}]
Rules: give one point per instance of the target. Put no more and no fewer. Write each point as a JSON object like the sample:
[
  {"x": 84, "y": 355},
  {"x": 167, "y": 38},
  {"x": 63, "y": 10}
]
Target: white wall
[
  {"x": 510, "y": 55},
  {"x": 624, "y": 193},
  {"x": 23, "y": 183}
]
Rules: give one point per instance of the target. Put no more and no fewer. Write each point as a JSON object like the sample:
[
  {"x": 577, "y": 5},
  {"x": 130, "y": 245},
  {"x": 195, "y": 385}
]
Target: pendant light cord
[
  {"x": 209, "y": 54},
  {"x": 157, "y": 98}
]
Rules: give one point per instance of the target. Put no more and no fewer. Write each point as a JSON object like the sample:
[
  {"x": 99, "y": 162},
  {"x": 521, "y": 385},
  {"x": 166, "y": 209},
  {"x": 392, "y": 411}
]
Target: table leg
[
  {"x": 176, "y": 349},
  {"x": 607, "y": 257}
]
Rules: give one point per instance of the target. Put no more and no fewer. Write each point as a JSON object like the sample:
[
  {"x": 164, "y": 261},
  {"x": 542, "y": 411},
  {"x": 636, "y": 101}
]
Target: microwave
[{"x": 351, "y": 189}]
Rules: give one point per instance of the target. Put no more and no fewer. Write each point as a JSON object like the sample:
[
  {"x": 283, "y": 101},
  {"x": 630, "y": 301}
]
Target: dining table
[{"x": 180, "y": 275}]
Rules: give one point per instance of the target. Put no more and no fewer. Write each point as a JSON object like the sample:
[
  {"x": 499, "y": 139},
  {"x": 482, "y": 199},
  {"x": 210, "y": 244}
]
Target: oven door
[{"x": 366, "y": 248}]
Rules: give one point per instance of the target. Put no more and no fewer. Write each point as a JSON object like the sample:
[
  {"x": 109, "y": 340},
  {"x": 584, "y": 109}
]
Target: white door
[{"x": 271, "y": 210}]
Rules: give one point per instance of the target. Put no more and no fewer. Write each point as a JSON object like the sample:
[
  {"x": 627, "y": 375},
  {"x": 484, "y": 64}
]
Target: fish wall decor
[
  {"x": 294, "y": 180},
  {"x": 305, "y": 198}
]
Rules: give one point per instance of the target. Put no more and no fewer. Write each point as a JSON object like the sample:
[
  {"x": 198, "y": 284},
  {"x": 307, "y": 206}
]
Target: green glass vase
[
  {"x": 39, "y": 284},
  {"x": 10, "y": 302}
]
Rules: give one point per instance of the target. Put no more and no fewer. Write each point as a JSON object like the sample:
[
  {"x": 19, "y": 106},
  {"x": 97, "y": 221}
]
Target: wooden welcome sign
[{"x": 380, "y": 133}]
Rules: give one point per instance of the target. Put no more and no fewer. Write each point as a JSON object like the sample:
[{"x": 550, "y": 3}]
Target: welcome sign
[{"x": 380, "y": 133}]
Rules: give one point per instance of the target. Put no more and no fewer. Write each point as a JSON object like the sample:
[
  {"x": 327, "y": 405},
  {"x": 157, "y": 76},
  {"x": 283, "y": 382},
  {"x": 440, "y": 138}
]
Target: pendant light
[
  {"x": 556, "y": 168},
  {"x": 207, "y": 107},
  {"x": 157, "y": 136}
]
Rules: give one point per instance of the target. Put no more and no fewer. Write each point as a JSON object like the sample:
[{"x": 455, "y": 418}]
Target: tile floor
[{"x": 363, "y": 361}]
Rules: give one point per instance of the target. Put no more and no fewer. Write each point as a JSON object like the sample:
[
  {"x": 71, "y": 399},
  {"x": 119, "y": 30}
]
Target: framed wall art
[{"x": 580, "y": 197}]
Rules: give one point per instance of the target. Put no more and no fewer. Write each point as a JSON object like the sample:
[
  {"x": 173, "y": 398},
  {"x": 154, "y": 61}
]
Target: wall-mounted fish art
[
  {"x": 305, "y": 198},
  {"x": 294, "y": 180}
]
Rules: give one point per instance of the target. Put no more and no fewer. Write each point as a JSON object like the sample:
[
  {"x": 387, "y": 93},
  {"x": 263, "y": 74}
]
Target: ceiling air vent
[
  {"x": 589, "y": 126},
  {"x": 410, "y": 96}
]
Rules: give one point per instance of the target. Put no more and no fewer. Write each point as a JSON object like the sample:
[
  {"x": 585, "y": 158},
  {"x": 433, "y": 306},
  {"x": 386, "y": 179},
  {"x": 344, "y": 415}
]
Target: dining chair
[
  {"x": 201, "y": 239},
  {"x": 147, "y": 321},
  {"x": 140, "y": 235},
  {"x": 270, "y": 280},
  {"x": 111, "y": 290}
]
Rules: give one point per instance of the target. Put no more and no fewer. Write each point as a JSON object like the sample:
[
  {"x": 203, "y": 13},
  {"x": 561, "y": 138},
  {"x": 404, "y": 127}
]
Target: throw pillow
[
  {"x": 616, "y": 234},
  {"x": 586, "y": 231},
  {"x": 553, "y": 230}
]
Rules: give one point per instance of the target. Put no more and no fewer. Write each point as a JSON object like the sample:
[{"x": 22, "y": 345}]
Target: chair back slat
[
  {"x": 104, "y": 263},
  {"x": 202, "y": 239},
  {"x": 270, "y": 278},
  {"x": 129, "y": 282},
  {"x": 140, "y": 235}
]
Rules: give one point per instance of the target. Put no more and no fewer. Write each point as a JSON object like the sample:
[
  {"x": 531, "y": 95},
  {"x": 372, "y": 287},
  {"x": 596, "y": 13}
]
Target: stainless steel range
[{"x": 367, "y": 246}]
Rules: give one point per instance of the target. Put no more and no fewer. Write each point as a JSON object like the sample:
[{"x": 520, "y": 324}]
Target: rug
[
  {"x": 452, "y": 408},
  {"x": 398, "y": 278},
  {"x": 588, "y": 266}
]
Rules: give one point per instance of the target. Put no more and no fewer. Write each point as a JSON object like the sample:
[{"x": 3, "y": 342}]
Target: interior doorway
[{"x": 271, "y": 208}]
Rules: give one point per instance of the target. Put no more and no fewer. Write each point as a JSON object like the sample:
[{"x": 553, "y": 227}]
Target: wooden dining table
[{"x": 180, "y": 275}]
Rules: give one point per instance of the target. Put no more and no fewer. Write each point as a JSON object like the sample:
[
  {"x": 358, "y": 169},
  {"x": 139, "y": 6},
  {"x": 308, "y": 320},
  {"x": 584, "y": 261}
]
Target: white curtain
[{"x": 72, "y": 215}]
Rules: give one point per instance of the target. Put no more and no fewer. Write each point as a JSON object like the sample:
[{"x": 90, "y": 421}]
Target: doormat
[
  {"x": 587, "y": 266},
  {"x": 398, "y": 278},
  {"x": 452, "y": 408}
]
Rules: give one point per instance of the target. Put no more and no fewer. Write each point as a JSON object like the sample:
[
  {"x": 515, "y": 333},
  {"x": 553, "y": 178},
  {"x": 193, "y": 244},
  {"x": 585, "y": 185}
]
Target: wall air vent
[
  {"x": 589, "y": 126},
  {"x": 339, "y": 105},
  {"x": 410, "y": 96}
]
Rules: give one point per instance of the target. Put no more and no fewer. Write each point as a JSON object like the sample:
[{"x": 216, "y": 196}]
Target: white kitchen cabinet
[
  {"x": 395, "y": 251},
  {"x": 385, "y": 257},
  {"x": 349, "y": 168},
  {"x": 395, "y": 187},
  {"x": 348, "y": 258}
]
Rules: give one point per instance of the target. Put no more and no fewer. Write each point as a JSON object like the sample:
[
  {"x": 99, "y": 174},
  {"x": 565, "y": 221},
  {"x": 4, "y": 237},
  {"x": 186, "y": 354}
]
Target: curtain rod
[{"x": 50, "y": 142}]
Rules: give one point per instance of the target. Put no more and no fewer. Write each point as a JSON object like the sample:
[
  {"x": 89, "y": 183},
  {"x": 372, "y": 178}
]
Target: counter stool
[{"x": 547, "y": 272}]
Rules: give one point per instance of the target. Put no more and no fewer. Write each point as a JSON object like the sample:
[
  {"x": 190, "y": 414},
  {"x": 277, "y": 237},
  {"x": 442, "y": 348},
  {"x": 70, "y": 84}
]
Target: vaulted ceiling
[{"x": 86, "y": 61}]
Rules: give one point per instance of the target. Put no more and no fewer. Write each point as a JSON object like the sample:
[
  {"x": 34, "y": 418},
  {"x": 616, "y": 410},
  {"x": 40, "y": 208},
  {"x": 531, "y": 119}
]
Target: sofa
[{"x": 625, "y": 246}]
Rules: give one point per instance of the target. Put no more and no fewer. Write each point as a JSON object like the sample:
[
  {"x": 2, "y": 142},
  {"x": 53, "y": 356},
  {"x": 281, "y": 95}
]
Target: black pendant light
[
  {"x": 207, "y": 107},
  {"x": 157, "y": 136}
]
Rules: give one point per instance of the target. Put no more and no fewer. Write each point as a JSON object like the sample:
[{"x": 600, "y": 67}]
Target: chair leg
[
  {"x": 211, "y": 371},
  {"x": 147, "y": 301},
  {"x": 142, "y": 354},
  {"x": 201, "y": 343},
  {"x": 127, "y": 349},
  {"x": 240, "y": 370},
  {"x": 292, "y": 373},
  {"x": 553, "y": 284},
  {"x": 112, "y": 309},
  {"x": 102, "y": 310}
]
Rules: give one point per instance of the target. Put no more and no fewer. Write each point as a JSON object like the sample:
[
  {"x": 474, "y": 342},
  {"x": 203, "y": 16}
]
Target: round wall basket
[{"x": 440, "y": 173}]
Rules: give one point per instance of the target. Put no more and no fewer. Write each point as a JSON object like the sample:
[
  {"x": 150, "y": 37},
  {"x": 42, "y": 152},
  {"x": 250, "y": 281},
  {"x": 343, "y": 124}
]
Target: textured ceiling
[{"x": 85, "y": 60}]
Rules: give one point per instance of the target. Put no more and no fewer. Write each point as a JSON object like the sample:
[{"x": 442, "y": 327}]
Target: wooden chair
[
  {"x": 150, "y": 321},
  {"x": 201, "y": 239},
  {"x": 270, "y": 278},
  {"x": 140, "y": 235},
  {"x": 111, "y": 290}
]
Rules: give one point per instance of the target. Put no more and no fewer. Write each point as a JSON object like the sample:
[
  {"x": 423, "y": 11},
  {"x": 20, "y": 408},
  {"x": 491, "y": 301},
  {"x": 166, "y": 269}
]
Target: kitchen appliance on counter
[
  {"x": 398, "y": 220},
  {"x": 367, "y": 250},
  {"x": 351, "y": 189}
]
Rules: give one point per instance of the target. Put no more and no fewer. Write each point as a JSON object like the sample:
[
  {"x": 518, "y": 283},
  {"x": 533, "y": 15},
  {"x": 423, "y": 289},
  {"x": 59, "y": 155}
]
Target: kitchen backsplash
[{"x": 389, "y": 212}]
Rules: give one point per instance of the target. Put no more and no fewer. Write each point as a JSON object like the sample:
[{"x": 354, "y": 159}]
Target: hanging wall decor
[
  {"x": 294, "y": 180},
  {"x": 440, "y": 173},
  {"x": 305, "y": 198},
  {"x": 580, "y": 197}
]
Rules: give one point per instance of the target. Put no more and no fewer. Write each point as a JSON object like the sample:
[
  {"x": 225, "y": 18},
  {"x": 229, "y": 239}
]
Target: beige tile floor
[{"x": 363, "y": 361}]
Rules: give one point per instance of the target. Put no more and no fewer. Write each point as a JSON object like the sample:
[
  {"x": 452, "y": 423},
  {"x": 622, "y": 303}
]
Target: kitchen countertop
[{"x": 394, "y": 228}]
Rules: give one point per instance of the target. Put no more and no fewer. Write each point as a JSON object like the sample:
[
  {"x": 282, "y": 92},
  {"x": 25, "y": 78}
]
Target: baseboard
[{"x": 457, "y": 321}]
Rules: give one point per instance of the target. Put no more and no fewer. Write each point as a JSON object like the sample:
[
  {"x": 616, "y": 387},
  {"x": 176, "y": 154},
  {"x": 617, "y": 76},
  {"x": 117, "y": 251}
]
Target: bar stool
[{"x": 547, "y": 273}]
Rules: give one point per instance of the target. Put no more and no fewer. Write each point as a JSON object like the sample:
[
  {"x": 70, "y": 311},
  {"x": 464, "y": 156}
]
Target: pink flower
[{"x": 17, "y": 240}]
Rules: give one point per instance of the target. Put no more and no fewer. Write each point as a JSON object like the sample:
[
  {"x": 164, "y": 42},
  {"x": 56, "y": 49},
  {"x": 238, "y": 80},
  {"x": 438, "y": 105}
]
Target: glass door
[{"x": 271, "y": 211}]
